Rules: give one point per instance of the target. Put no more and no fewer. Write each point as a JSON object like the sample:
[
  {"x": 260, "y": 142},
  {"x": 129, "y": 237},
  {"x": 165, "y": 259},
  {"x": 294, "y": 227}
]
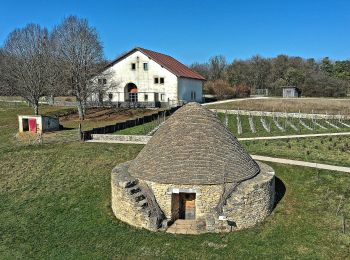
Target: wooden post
[{"x": 80, "y": 133}]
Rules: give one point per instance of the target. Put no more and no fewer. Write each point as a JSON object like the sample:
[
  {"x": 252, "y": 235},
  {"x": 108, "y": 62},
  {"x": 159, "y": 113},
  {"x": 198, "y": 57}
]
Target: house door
[
  {"x": 32, "y": 125},
  {"x": 156, "y": 97},
  {"x": 187, "y": 205}
]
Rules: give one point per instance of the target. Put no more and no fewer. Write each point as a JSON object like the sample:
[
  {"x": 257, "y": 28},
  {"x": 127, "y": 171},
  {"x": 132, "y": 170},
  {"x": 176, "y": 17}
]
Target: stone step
[
  {"x": 138, "y": 196},
  {"x": 134, "y": 189},
  {"x": 142, "y": 202},
  {"x": 184, "y": 226}
]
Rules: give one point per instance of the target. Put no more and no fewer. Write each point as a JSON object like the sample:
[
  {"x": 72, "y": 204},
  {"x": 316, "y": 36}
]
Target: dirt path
[
  {"x": 302, "y": 163},
  {"x": 232, "y": 100},
  {"x": 290, "y": 136}
]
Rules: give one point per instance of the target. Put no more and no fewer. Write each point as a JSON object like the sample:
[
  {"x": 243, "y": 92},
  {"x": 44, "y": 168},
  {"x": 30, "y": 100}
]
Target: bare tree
[
  {"x": 217, "y": 65},
  {"x": 79, "y": 51},
  {"x": 26, "y": 66}
]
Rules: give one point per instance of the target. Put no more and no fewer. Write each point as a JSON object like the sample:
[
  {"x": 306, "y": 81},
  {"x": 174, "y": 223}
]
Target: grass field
[
  {"x": 55, "y": 204},
  {"x": 305, "y": 105}
]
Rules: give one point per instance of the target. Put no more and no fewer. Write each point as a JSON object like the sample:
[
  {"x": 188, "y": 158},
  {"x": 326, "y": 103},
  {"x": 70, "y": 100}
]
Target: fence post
[{"x": 80, "y": 133}]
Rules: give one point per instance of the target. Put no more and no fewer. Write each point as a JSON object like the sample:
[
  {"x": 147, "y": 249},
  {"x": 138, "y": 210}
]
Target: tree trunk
[
  {"x": 36, "y": 107},
  {"x": 80, "y": 110},
  {"x": 84, "y": 108}
]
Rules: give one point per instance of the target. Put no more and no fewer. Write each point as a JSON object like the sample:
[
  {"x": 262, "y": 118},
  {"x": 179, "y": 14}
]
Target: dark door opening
[
  {"x": 156, "y": 97},
  {"x": 25, "y": 124},
  {"x": 187, "y": 205},
  {"x": 131, "y": 92}
]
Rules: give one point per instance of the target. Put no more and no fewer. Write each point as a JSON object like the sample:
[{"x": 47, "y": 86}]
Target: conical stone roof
[{"x": 193, "y": 147}]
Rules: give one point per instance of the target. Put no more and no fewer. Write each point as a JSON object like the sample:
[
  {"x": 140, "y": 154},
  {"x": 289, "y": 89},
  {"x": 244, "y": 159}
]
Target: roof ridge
[
  {"x": 168, "y": 62},
  {"x": 155, "y": 52}
]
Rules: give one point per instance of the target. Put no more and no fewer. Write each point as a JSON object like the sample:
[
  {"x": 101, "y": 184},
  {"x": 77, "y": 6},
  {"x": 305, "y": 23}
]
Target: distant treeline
[{"x": 324, "y": 78}]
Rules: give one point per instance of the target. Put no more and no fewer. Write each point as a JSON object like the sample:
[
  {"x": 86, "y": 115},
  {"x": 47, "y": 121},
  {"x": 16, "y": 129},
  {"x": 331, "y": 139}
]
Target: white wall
[
  {"x": 186, "y": 86},
  {"x": 122, "y": 73}
]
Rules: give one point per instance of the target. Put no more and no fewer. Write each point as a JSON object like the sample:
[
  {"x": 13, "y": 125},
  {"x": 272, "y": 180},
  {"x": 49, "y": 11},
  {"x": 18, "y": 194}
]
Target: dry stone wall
[
  {"x": 125, "y": 204},
  {"x": 207, "y": 197},
  {"x": 253, "y": 200},
  {"x": 250, "y": 202},
  {"x": 135, "y": 139}
]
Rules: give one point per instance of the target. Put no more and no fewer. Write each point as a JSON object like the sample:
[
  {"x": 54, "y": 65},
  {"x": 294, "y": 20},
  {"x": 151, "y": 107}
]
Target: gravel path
[{"x": 302, "y": 163}]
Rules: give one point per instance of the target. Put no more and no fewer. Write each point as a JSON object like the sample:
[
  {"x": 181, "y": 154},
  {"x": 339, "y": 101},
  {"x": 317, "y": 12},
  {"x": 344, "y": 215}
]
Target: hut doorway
[{"x": 184, "y": 206}]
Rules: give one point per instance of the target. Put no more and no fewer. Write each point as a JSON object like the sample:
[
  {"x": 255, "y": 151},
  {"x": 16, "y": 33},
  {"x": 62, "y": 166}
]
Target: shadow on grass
[
  {"x": 280, "y": 190},
  {"x": 66, "y": 128}
]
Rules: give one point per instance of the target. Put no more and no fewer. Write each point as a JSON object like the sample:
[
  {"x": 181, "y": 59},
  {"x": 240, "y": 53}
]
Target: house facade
[{"x": 145, "y": 76}]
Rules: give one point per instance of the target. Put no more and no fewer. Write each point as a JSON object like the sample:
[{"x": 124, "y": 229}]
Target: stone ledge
[{"x": 138, "y": 139}]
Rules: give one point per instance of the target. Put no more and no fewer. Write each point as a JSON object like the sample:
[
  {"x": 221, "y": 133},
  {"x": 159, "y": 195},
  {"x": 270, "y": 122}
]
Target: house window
[
  {"x": 162, "y": 97},
  {"x": 133, "y": 66},
  {"x": 110, "y": 96},
  {"x": 102, "y": 81},
  {"x": 146, "y": 97},
  {"x": 145, "y": 66},
  {"x": 161, "y": 80},
  {"x": 156, "y": 80},
  {"x": 133, "y": 97}
]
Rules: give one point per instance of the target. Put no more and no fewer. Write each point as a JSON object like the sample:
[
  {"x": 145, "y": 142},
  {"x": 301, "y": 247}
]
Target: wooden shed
[{"x": 291, "y": 92}]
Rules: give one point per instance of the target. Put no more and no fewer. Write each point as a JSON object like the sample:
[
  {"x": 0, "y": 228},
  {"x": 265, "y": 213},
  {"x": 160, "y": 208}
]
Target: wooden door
[{"x": 32, "y": 125}]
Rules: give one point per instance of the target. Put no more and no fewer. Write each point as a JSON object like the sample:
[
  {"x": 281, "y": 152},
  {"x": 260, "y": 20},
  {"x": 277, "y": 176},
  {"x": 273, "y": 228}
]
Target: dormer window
[{"x": 133, "y": 66}]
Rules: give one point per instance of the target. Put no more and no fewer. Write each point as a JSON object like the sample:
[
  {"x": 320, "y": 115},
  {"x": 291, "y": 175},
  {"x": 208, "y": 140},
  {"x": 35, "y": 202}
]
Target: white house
[{"x": 145, "y": 76}]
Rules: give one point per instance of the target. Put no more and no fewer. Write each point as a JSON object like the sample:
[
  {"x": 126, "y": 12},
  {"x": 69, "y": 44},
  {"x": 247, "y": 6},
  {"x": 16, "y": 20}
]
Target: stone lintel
[{"x": 177, "y": 190}]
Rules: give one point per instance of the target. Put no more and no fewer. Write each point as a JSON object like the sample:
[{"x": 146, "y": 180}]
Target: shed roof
[
  {"x": 193, "y": 147},
  {"x": 168, "y": 62}
]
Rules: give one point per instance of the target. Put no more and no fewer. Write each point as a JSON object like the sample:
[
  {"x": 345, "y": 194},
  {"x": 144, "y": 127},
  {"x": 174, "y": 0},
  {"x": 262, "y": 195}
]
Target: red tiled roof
[{"x": 166, "y": 61}]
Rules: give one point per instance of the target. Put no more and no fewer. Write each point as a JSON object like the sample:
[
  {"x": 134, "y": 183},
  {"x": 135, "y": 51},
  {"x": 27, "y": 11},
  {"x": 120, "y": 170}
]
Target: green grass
[
  {"x": 55, "y": 204},
  {"x": 332, "y": 150},
  {"x": 143, "y": 129},
  {"x": 260, "y": 131},
  {"x": 138, "y": 130}
]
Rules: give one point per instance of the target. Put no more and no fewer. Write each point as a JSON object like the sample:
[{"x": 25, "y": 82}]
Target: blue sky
[{"x": 196, "y": 30}]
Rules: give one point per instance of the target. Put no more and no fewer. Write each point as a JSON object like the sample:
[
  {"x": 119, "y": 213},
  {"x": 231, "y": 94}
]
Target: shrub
[
  {"x": 242, "y": 90},
  {"x": 221, "y": 89}
]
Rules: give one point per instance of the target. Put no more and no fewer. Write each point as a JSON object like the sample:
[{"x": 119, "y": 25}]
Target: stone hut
[{"x": 193, "y": 169}]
